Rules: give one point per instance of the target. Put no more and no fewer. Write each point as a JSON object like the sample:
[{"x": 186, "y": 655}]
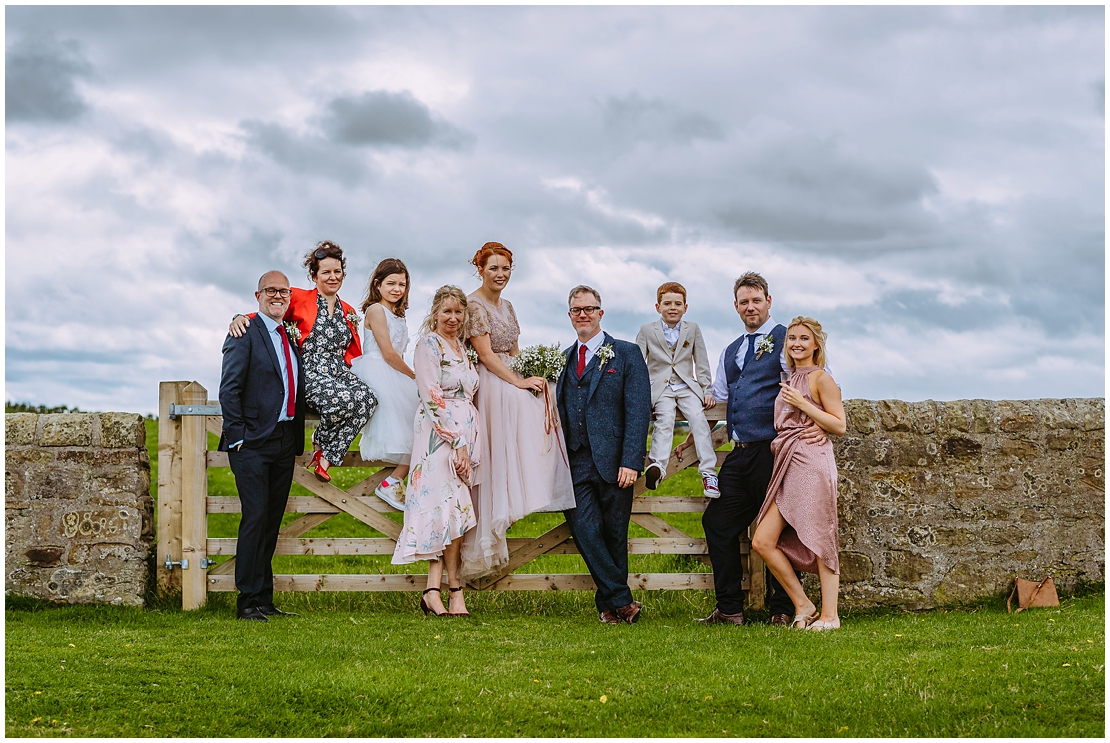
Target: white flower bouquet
[{"x": 539, "y": 361}]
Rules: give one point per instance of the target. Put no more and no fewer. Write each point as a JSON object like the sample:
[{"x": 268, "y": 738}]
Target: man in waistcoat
[
  {"x": 604, "y": 398},
  {"x": 748, "y": 377}
]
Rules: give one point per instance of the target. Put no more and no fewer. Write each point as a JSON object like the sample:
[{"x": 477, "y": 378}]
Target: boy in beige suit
[{"x": 679, "y": 368}]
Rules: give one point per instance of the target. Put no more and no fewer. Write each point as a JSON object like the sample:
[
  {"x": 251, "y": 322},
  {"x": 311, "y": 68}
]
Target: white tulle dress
[{"x": 388, "y": 435}]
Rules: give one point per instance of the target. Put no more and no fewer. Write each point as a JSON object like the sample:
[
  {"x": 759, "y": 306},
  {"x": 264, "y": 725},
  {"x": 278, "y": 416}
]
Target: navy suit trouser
[
  {"x": 743, "y": 480},
  {"x": 599, "y": 525},
  {"x": 263, "y": 475}
]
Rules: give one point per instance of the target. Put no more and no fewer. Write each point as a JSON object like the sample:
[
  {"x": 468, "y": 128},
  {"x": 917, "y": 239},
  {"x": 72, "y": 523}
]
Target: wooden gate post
[
  {"x": 194, "y": 500},
  {"x": 169, "y": 487}
]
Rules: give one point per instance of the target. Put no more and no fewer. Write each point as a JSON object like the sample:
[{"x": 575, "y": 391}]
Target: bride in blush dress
[{"x": 525, "y": 468}]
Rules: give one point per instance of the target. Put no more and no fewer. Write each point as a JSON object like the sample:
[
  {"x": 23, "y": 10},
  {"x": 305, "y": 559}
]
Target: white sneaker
[
  {"x": 652, "y": 475},
  {"x": 709, "y": 486},
  {"x": 392, "y": 492}
]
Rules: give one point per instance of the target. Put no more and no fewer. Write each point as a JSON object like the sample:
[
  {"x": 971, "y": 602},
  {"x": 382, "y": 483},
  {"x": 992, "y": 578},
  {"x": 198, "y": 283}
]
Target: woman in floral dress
[
  {"x": 438, "y": 509},
  {"x": 327, "y": 329}
]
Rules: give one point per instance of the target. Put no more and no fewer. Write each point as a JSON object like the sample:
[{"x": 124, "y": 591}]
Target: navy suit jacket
[
  {"x": 619, "y": 407},
  {"x": 252, "y": 391}
]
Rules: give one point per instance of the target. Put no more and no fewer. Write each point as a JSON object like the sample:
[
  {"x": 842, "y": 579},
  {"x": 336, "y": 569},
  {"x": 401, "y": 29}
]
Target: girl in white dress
[{"x": 385, "y": 337}]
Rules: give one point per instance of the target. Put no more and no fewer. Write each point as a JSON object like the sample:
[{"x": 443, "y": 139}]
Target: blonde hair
[
  {"x": 819, "y": 335},
  {"x": 443, "y": 294}
]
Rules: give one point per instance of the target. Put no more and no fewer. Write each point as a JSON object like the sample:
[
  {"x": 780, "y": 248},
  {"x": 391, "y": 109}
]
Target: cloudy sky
[{"x": 927, "y": 182}]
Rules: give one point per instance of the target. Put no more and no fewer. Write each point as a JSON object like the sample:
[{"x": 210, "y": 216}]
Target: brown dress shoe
[
  {"x": 719, "y": 617},
  {"x": 608, "y": 617},
  {"x": 780, "y": 620},
  {"x": 629, "y": 612}
]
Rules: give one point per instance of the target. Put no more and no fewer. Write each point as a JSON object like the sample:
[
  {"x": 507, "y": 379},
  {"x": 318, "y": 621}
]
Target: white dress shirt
[
  {"x": 272, "y": 326},
  {"x": 671, "y": 336},
  {"x": 720, "y": 380},
  {"x": 591, "y": 347}
]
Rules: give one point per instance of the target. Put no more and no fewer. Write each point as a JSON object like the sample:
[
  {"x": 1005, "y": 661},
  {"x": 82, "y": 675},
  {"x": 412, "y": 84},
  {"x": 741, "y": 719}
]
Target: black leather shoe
[
  {"x": 719, "y": 617},
  {"x": 252, "y": 614},
  {"x": 272, "y": 611}
]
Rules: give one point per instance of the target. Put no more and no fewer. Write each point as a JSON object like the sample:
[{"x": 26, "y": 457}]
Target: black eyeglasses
[
  {"x": 269, "y": 292},
  {"x": 583, "y": 310}
]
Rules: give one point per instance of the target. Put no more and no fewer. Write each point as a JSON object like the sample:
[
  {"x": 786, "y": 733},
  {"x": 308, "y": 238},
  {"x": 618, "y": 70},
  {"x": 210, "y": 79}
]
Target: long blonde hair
[
  {"x": 818, "y": 335},
  {"x": 443, "y": 294}
]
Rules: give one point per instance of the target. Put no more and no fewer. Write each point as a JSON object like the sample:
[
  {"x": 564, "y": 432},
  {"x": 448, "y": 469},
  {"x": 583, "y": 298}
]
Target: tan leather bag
[{"x": 1031, "y": 593}]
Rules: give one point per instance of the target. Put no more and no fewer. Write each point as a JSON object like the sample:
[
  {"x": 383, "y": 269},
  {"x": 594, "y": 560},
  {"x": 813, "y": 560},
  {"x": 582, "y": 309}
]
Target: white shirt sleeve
[{"x": 720, "y": 381}]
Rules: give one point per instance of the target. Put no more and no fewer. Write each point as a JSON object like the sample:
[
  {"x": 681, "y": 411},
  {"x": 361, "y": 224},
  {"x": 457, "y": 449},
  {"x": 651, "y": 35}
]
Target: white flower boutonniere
[
  {"x": 352, "y": 317},
  {"x": 605, "y": 353},
  {"x": 472, "y": 355},
  {"x": 292, "y": 330},
  {"x": 766, "y": 345}
]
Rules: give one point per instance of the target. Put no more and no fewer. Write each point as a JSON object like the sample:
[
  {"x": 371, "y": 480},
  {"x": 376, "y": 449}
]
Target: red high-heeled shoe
[
  {"x": 321, "y": 473},
  {"x": 315, "y": 461}
]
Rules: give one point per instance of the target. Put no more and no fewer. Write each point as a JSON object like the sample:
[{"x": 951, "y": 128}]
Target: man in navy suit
[
  {"x": 262, "y": 398},
  {"x": 604, "y": 396}
]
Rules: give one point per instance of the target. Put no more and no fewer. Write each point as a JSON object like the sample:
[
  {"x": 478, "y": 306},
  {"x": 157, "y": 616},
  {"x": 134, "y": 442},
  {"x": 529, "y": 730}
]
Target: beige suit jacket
[{"x": 689, "y": 361}]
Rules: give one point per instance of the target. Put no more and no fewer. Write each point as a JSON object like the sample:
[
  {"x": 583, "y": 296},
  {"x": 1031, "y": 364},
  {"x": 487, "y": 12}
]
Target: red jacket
[{"x": 302, "y": 312}]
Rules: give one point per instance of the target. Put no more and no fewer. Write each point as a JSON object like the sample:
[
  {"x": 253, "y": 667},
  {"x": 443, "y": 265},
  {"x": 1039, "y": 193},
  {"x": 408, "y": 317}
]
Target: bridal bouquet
[{"x": 539, "y": 361}]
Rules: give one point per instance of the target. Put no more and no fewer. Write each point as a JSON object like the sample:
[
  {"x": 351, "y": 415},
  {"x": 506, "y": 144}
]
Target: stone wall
[
  {"x": 947, "y": 502},
  {"x": 79, "y": 519}
]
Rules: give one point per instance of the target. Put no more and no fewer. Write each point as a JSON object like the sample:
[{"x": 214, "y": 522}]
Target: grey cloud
[
  {"x": 40, "y": 79},
  {"x": 306, "y": 154},
  {"x": 381, "y": 118},
  {"x": 635, "y": 117},
  {"x": 1098, "y": 89}
]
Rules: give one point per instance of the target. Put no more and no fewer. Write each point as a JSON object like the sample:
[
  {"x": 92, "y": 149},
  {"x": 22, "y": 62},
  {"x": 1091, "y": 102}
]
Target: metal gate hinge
[
  {"x": 176, "y": 411},
  {"x": 206, "y": 563},
  {"x": 183, "y": 563}
]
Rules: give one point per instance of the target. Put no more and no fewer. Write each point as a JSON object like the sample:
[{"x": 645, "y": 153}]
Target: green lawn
[{"x": 541, "y": 665}]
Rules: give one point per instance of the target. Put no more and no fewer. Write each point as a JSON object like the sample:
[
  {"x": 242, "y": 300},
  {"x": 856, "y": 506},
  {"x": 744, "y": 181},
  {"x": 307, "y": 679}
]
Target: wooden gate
[{"x": 186, "y": 416}]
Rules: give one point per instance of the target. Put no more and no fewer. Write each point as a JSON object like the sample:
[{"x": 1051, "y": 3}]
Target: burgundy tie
[
  {"x": 291, "y": 407},
  {"x": 581, "y": 359}
]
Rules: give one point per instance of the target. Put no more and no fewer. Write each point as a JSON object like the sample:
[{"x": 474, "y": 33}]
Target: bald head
[{"x": 273, "y": 295}]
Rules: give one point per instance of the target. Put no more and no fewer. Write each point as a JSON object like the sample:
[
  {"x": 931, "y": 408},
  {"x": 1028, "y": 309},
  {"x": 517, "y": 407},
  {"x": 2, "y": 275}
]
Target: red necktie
[
  {"x": 291, "y": 407},
  {"x": 581, "y": 359}
]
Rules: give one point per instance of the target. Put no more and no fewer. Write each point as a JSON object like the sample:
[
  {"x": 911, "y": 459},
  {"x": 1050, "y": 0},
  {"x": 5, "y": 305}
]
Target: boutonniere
[
  {"x": 685, "y": 344},
  {"x": 472, "y": 356},
  {"x": 352, "y": 317},
  {"x": 766, "y": 345},
  {"x": 292, "y": 330},
  {"x": 605, "y": 353}
]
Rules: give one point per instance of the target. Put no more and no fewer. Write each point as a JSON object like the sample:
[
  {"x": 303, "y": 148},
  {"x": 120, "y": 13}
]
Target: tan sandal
[
  {"x": 804, "y": 620},
  {"x": 819, "y": 626}
]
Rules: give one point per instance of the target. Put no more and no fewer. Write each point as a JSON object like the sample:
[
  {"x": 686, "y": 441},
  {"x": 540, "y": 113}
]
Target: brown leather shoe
[
  {"x": 719, "y": 617},
  {"x": 780, "y": 620},
  {"x": 608, "y": 617},
  {"x": 629, "y": 612}
]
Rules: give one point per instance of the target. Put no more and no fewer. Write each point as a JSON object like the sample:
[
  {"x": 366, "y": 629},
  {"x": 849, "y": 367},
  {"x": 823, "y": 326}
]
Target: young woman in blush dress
[
  {"x": 325, "y": 327},
  {"x": 797, "y": 526},
  {"x": 525, "y": 469},
  {"x": 385, "y": 336},
  {"x": 446, "y": 449}
]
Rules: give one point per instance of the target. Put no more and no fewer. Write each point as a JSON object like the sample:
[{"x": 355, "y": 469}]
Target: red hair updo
[{"x": 487, "y": 251}]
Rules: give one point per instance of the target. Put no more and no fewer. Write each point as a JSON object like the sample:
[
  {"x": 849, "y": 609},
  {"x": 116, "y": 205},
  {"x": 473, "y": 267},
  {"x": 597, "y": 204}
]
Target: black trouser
[
  {"x": 263, "y": 475},
  {"x": 599, "y": 524},
  {"x": 743, "y": 480}
]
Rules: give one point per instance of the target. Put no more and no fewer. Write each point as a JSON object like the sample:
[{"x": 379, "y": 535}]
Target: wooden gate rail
[{"x": 184, "y": 548}]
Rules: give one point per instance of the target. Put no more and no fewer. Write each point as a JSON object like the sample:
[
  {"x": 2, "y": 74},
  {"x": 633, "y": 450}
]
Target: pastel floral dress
[
  {"x": 438, "y": 508},
  {"x": 343, "y": 401}
]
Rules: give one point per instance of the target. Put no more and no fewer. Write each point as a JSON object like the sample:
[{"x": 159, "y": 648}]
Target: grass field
[{"x": 540, "y": 664}]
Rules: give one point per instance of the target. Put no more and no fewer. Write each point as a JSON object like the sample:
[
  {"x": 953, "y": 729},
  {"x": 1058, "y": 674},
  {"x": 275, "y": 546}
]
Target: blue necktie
[{"x": 750, "y": 353}]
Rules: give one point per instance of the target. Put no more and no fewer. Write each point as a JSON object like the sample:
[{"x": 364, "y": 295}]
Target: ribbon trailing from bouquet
[{"x": 551, "y": 423}]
